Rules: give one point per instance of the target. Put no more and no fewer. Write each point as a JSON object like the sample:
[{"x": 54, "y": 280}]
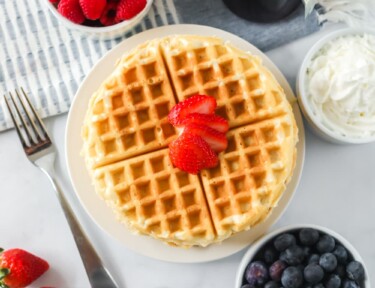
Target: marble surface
[{"x": 337, "y": 190}]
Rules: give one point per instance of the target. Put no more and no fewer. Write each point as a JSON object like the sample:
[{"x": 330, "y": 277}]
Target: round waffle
[{"x": 126, "y": 135}]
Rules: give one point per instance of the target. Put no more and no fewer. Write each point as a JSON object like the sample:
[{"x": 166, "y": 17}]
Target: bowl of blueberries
[{"x": 302, "y": 256}]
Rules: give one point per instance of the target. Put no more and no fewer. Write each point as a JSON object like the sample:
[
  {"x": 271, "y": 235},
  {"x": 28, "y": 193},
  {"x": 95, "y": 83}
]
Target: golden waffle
[
  {"x": 155, "y": 198},
  {"x": 251, "y": 175},
  {"x": 128, "y": 115},
  {"x": 126, "y": 134},
  {"x": 210, "y": 66}
]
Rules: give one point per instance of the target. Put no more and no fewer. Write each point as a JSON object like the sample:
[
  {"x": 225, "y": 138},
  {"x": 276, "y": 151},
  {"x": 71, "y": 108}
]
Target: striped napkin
[{"x": 47, "y": 59}]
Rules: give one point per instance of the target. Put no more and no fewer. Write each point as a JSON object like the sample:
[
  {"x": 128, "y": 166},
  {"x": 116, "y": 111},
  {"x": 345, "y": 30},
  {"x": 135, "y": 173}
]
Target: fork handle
[{"x": 98, "y": 275}]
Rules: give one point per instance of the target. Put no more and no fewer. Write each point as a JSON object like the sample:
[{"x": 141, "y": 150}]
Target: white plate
[{"x": 97, "y": 208}]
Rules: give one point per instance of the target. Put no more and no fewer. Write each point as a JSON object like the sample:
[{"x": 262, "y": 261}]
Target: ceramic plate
[{"x": 97, "y": 208}]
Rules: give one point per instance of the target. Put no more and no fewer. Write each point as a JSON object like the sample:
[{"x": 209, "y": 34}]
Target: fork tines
[{"x": 28, "y": 124}]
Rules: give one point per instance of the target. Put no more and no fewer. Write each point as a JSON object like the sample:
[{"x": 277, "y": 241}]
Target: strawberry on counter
[{"x": 19, "y": 268}]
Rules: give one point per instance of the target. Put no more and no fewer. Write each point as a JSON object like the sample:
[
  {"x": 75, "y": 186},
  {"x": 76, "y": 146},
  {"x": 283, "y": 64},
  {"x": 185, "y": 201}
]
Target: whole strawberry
[
  {"x": 108, "y": 16},
  {"x": 127, "y": 9},
  {"x": 71, "y": 10},
  {"x": 92, "y": 9},
  {"x": 19, "y": 268}
]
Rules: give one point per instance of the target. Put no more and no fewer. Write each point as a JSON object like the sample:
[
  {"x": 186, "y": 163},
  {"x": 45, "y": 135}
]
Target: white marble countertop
[{"x": 337, "y": 190}]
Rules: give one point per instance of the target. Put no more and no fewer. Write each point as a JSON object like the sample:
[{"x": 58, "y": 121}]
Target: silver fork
[{"x": 40, "y": 151}]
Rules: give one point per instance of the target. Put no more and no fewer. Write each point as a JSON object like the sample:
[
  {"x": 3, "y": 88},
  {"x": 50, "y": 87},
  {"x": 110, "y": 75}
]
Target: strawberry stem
[{"x": 3, "y": 273}]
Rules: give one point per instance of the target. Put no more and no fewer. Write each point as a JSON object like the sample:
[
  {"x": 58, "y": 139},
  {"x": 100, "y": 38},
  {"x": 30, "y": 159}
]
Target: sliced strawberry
[
  {"x": 217, "y": 140},
  {"x": 191, "y": 153},
  {"x": 212, "y": 120},
  {"x": 195, "y": 104}
]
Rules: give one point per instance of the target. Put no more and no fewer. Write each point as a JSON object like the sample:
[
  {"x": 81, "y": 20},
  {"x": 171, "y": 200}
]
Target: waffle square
[
  {"x": 237, "y": 80},
  {"x": 128, "y": 115},
  {"x": 251, "y": 175},
  {"x": 155, "y": 198}
]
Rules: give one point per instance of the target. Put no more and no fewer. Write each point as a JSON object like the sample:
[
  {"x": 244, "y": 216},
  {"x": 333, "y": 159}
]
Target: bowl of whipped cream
[{"x": 336, "y": 86}]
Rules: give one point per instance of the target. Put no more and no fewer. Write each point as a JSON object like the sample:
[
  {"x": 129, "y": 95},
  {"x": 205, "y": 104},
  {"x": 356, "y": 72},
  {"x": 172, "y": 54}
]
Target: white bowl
[
  {"x": 254, "y": 248},
  {"x": 315, "y": 123},
  {"x": 107, "y": 32}
]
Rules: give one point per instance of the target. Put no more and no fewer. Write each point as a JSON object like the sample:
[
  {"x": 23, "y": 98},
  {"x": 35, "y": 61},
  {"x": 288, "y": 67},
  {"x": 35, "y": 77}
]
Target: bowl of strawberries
[{"x": 99, "y": 18}]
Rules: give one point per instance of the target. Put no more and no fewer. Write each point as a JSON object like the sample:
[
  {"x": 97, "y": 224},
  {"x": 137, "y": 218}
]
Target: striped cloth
[{"x": 49, "y": 60}]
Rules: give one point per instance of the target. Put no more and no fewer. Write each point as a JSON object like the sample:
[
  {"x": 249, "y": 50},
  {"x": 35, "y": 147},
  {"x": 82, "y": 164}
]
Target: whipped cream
[{"x": 341, "y": 85}]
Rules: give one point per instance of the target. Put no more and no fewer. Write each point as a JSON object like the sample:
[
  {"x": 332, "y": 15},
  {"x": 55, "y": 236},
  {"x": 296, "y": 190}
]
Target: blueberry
[
  {"x": 293, "y": 255},
  {"x": 349, "y": 284},
  {"x": 284, "y": 241},
  {"x": 340, "y": 271},
  {"x": 269, "y": 255},
  {"x": 301, "y": 267},
  {"x": 313, "y": 273},
  {"x": 271, "y": 284},
  {"x": 292, "y": 277},
  {"x": 277, "y": 269},
  {"x": 328, "y": 262},
  {"x": 308, "y": 236},
  {"x": 306, "y": 251},
  {"x": 320, "y": 285},
  {"x": 355, "y": 271},
  {"x": 283, "y": 256},
  {"x": 246, "y": 286},
  {"x": 333, "y": 281},
  {"x": 325, "y": 244},
  {"x": 341, "y": 254},
  {"x": 256, "y": 273},
  {"x": 313, "y": 259}
]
